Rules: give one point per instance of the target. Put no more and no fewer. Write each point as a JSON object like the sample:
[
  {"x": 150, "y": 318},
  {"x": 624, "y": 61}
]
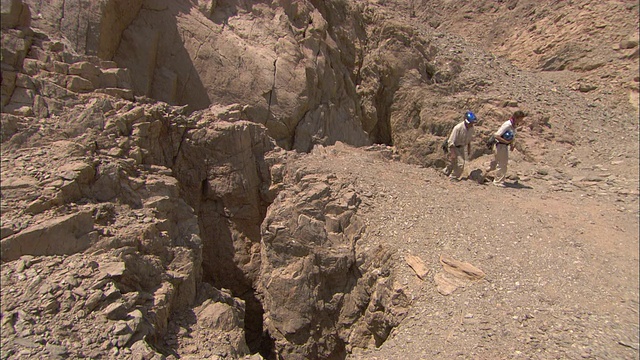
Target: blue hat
[{"x": 470, "y": 117}]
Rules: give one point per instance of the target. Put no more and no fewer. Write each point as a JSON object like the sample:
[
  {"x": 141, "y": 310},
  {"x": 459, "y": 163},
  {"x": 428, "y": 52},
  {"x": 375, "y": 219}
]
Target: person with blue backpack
[
  {"x": 504, "y": 141},
  {"x": 459, "y": 140}
]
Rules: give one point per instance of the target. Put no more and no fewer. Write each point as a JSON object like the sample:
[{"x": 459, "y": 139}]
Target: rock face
[
  {"x": 279, "y": 60},
  {"x": 14, "y": 14},
  {"x": 316, "y": 72},
  {"x": 155, "y": 212},
  {"x": 323, "y": 294},
  {"x": 86, "y": 27}
]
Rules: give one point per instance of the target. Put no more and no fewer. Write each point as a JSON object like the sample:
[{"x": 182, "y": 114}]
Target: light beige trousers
[
  {"x": 456, "y": 162},
  {"x": 500, "y": 162}
]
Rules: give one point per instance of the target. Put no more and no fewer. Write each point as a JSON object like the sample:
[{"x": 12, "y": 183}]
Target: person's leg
[
  {"x": 457, "y": 163},
  {"x": 494, "y": 161},
  {"x": 502, "y": 158},
  {"x": 451, "y": 158}
]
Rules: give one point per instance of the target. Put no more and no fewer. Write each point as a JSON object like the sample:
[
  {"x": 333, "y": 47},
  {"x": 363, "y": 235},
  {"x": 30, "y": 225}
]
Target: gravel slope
[{"x": 561, "y": 266}]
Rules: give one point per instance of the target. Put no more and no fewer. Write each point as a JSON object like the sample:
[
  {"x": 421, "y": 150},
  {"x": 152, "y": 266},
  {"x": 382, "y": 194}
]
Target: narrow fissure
[
  {"x": 273, "y": 89},
  {"x": 382, "y": 130},
  {"x": 220, "y": 268},
  {"x": 223, "y": 233}
]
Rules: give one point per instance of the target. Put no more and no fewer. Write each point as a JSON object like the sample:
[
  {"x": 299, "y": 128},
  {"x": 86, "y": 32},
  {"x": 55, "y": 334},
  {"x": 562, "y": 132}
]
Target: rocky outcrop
[
  {"x": 129, "y": 244},
  {"x": 310, "y": 72},
  {"x": 64, "y": 235},
  {"x": 323, "y": 294},
  {"x": 40, "y": 77},
  {"x": 14, "y": 14},
  {"x": 86, "y": 27},
  {"x": 281, "y": 61},
  {"x": 309, "y": 75},
  {"x": 156, "y": 213}
]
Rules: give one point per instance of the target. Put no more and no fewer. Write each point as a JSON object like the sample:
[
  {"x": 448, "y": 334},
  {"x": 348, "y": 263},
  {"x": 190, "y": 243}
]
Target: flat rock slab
[{"x": 418, "y": 266}]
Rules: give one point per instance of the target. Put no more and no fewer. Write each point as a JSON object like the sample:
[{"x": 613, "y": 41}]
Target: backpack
[{"x": 490, "y": 142}]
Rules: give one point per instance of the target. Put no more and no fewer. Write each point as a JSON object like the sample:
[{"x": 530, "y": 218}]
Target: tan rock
[
  {"x": 22, "y": 96},
  {"x": 460, "y": 269},
  {"x": 629, "y": 43},
  {"x": 18, "y": 183},
  {"x": 14, "y": 14},
  {"x": 111, "y": 269},
  {"x": 79, "y": 171},
  {"x": 79, "y": 84},
  {"x": 85, "y": 70},
  {"x": 15, "y": 45},
  {"x": 117, "y": 93},
  {"x": 64, "y": 235},
  {"x": 418, "y": 266},
  {"x": 115, "y": 311},
  {"x": 8, "y": 82}
]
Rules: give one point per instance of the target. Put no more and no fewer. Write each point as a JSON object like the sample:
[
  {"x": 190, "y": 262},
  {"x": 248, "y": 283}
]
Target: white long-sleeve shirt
[
  {"x": 460, "y": 135},
  {"x": 507, "y": 125}
]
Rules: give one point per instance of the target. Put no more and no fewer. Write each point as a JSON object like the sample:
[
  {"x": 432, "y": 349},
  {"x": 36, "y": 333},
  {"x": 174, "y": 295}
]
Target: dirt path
[{"x": 561, "y": 267}]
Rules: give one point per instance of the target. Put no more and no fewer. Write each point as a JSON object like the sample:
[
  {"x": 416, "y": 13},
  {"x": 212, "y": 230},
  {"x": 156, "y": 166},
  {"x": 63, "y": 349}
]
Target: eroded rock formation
[{"x": 155, "y": 211}]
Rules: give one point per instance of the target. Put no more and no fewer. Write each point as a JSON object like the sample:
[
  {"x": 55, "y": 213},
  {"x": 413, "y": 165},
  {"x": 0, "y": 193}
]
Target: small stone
[
  {"x": 50, "y": 306},
  {"x": 106, "y": 345},
  {"x": 24, "y": 354},
  {"x": 72, "y": 280},
  {"x": 80, "y": 291},
  {"x": 121, "y": 328},
  {"x": 111, "y": 292},
  {"x": 122, "y": 340},
  {"x": 21, "y": 265},
  {"x": 114, "y": 351},
  {"x": 112, "y": 269},
  {"x": 135, "y": 321},
  {"x": 115, "y": 311},
  {"x": 56, "y": 350},
  {"x": 26, "y": 343},
  {"x": 93, "y": 301}
]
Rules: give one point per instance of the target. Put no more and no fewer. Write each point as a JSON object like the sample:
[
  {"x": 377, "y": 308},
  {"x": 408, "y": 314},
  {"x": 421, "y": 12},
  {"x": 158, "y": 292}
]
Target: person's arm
[
  {"x": 498, "y": 134},
  {"x": 468, "y": 150},
  {"x": 502, "y": 140},
  {"x": 452, "y": 138}
]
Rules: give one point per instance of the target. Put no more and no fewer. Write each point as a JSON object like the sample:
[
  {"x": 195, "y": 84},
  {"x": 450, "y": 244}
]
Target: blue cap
[{"x": 470, "y": 117}]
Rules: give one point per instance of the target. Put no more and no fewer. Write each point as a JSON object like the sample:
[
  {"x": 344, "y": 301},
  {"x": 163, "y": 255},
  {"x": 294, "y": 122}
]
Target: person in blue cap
[
  {"x": 505, "y": 141},
  {"x": 459, "y": 139}
]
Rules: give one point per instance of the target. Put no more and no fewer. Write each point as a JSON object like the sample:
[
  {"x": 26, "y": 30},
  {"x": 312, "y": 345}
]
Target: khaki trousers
[
  {"x": 500, "y": 162},
  {"x": 456, "y": 162}
]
